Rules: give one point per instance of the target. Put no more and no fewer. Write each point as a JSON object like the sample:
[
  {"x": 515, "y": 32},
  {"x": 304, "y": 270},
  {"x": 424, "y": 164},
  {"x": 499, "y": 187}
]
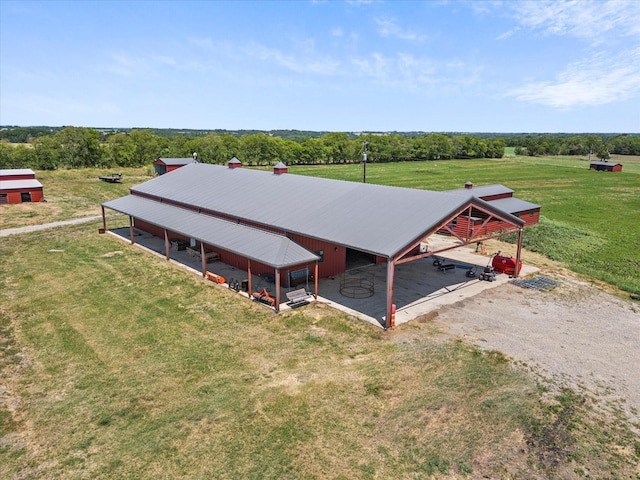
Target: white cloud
[
  {"x": 407, "y": 72},
  {"x": 305, "y": 62},
  {"x": 387, "y": 27},
  {"x": 597, "y": 80},
  {"x": 508, "y": 34},
  {"x": 580, "y": 18},
  {"x": 125, "y": 66}
]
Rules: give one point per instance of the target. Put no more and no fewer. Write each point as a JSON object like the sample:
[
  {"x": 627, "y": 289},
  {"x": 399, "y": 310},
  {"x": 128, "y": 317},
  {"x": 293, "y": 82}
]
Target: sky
[{"x": 349, "y": 66}]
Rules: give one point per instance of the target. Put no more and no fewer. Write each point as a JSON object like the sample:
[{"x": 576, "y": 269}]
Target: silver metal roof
[
  {"x": 377, "y": 219},
  {"x": 613, "y": 164},
  {"x": 16, "y": 171},
  {"x": 177, "y": 161},
  {"x": 513, "y": 205},
  {"x": 485, "y": 190},
  {"x": 269, "y": 248},
  {"x": 15, "y": 184}
]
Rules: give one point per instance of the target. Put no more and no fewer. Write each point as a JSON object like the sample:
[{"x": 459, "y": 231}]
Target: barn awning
[
  {"x": 265, "y": 247},
  {"x": 19, "y": 184}
]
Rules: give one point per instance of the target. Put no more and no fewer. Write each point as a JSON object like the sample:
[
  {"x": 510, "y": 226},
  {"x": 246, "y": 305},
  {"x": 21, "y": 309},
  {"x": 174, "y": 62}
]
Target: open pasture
[
  {"x": 117, "y": 364},
  {"x": 590, "y": 218}
]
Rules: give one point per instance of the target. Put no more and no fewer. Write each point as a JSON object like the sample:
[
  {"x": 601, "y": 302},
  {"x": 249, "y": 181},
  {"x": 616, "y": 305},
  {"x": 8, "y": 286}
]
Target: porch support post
[
  {"x": 315, "y": 281},
  {"x": 104, "y": 219},
  {"x": 277, "y": 290},
  {"x": 203, "y": 258},
  {"x": 133, "y": 241},
  {"x": 249, "y": 287},
  {"x": 390, "y": 272},
  {"x": 167, "y": 247},
  {"x": 518, "y": 253}
]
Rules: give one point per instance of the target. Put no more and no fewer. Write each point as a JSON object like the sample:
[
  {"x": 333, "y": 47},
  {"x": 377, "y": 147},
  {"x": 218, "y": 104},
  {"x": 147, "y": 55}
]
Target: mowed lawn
[
  {"x": 117, "y": 364},
  {"x": 71, "y": 194}
]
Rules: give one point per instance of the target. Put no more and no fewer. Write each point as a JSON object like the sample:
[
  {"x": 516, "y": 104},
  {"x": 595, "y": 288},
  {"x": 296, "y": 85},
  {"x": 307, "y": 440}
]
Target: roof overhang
[
  {"x": 19, "y": 184},
  {"x": 269, "y": 248}
]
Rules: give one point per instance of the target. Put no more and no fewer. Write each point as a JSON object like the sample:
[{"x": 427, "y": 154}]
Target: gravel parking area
[{"x": 574, "y": 335}]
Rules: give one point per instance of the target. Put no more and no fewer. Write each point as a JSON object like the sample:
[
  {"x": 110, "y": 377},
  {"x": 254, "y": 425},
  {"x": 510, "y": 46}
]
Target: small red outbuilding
[
  {"x": 606, "y": 166},
  {"x": 19, "y": 185},
  {"x": 166, "y": 165}
]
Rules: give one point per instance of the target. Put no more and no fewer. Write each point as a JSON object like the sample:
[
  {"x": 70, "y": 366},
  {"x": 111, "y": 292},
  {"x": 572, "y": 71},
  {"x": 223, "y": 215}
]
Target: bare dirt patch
[{"x": 575, "y": 336}]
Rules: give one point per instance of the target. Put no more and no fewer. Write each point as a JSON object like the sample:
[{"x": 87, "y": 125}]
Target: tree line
[
  {"x": 600, "y": 146},
  {"x": 78, "y": 147}
]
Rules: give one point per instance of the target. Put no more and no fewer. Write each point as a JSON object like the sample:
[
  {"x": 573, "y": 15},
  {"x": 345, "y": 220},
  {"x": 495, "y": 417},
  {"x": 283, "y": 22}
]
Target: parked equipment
[
  {"x": 488, "y": 274},
  {"x": 113, "y": 178},
  {"x": 506, "y": 265}
]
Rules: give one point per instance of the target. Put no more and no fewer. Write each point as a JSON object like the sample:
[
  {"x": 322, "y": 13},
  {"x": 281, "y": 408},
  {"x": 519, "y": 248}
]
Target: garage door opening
[
  {"x": 25, "y": 196},
  {"x": 359, "y": 259}
]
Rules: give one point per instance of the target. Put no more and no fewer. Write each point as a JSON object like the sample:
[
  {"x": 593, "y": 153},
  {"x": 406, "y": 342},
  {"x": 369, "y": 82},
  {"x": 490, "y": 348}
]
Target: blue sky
[{"x": 435, "y": 66}]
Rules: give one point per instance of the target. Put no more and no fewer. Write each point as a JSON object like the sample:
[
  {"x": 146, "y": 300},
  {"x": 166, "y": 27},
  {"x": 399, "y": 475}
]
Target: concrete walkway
[
  {"x": 34, "y": 228},
  {"x": 419, "y": 287}
]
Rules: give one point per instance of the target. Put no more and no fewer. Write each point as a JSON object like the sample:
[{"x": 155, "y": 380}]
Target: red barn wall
[
  {"x": 26, "y": 176},
  {"x": 14, "y": 195},
  {"x": 334, "y": 259},
  {"x": 488, "y": 198}
]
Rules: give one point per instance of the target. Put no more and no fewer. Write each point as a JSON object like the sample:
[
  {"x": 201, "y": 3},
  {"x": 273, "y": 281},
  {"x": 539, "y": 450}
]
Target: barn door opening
[
  {"x": 358, "y": 259},
  {"x": 25, "y": 196}
]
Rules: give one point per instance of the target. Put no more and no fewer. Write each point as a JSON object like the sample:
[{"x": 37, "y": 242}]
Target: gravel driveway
[{"x": 574, "y": 335}]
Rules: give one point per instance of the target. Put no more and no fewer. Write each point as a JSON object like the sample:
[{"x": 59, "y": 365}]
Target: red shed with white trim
[{"x": 19, "y": 185}]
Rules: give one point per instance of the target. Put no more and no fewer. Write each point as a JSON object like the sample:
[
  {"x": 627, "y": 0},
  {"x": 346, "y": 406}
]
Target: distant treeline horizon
[{"x": 49, "y": 148}]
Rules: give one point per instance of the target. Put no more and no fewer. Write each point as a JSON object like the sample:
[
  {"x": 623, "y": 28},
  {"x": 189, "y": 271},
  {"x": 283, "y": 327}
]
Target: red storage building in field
[
  {"x": 19, "y": 185},
  {"x": 606, "y": 166},
  {"x": 166, "y": 165}
]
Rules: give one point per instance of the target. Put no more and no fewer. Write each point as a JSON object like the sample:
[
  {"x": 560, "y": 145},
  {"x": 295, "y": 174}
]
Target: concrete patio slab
[{"x": 419, "y": 286}]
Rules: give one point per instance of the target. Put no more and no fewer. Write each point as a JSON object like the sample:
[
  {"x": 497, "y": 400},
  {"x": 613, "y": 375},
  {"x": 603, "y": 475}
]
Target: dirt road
[{"x": 574, "y": 335}]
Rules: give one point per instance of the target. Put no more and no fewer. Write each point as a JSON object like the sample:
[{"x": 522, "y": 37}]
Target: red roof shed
[
  {"x": 606, "y": 166},
  {"x": 20, "y": 185}
]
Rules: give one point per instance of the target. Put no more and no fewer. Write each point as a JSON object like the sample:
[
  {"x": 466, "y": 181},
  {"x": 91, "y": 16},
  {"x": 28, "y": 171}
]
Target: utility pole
[{"x": 364, "y": 161}]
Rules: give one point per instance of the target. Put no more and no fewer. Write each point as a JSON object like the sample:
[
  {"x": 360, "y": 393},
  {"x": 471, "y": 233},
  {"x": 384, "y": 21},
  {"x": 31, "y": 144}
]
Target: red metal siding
[
  {"x": 26, "y": 176},
  {"x": 147, "y": 227},
  {"x": 488, "y": 198},
  {"x": 14, "y": 195},
  {"x": 334, "y": 258}
]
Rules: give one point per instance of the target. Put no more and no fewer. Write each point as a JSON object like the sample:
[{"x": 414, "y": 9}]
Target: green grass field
[
  {"x": 116, "y": 364},
  {"x": 590, "y": 219}
]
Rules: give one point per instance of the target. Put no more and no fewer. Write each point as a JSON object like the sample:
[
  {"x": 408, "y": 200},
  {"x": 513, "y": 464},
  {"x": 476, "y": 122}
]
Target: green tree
[
  {"x": 148, "y": 148},
  {"x": 120, "y": 150},
  {"x": 46, "y": 153},
  {"x": 258, "y": 149},
  {"x": 6, "y": 155},
  {"x": 339, "y": 148},
  {"x": 312, "y": 150},
  {"x": 435, "y": 146},
  {"x": 79, "y": 147}
]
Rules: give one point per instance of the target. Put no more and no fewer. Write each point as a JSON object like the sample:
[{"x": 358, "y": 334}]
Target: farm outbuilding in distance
[
  {"x": 166, "y": 165},
  {"x": 19, "y": 185},
  {"x": 328, "y": 227},
  {"x": 606, "y": 166}
]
